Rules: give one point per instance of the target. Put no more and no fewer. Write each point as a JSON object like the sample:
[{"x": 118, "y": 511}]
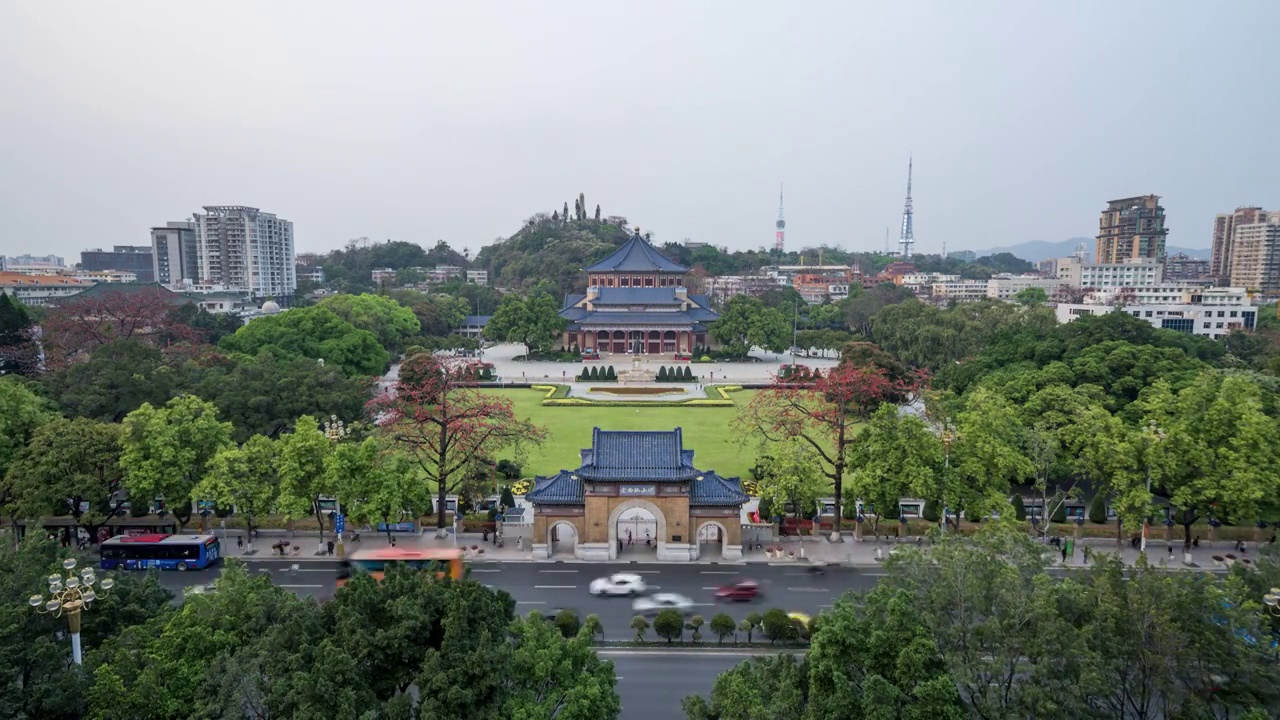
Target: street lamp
[
  {"x": 336, "y": 431},
  {"x": 948, "y": 436},
  {"x": 68, "y": 596}
]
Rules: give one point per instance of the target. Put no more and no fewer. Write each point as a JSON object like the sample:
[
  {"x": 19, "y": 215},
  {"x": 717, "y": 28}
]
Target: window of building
[
  {"x": 1206, "y": 326},
  {"x": 1148, "y": 313},
  {"x": 1233, "y": 313},
  {"x": 1219, "y": 325}
]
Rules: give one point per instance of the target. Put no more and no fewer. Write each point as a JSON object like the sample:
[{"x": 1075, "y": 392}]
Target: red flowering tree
[
  {"x": 823, "y": 413},
  {"x": 437, "y": 415},
  {"x": 81, "y": 324}
]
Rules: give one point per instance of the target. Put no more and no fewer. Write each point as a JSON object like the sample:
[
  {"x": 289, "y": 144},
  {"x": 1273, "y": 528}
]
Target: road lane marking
[
  {"x": 875, "y": 574},
  {"x": 713, "y": 587},
  {"x": 531, "y": 602},
  {"x": 703, "y": 604},
  {"x": 643, "y": 572},
  {"x": 300, "y": 586},
  {"x": 554, "y": 571},
  {"x": 555, "y": 587},
  {"x": 476, "y": 569},
  {"x": 719, "y": 572},
  {"x": 807, "y": 589}
]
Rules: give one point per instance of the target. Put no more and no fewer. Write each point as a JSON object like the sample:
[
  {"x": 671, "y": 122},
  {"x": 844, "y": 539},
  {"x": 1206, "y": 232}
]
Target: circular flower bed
[
  {"x": 521, "y": 487},
  {"x": 636, "y": 390}
]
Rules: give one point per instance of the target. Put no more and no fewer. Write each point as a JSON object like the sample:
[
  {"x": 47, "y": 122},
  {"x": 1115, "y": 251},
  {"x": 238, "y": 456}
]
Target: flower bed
[{"x": 636, "y": 390}]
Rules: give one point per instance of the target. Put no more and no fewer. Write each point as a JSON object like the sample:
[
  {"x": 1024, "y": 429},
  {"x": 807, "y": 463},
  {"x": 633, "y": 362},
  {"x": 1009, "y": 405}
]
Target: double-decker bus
[
  {"x": 165, "y": 552},
  {"x": 445, "y": 562}
]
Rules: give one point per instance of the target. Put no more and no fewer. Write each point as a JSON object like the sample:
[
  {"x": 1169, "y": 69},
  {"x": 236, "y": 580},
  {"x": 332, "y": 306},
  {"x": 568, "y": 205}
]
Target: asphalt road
[
  {"x": 546, "y": 587},
  {"x": 651, "y": 684}
]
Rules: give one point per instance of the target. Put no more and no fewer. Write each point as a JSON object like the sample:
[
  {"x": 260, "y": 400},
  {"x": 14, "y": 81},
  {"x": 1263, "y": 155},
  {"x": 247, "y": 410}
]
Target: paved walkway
[{"x": 867, "y": 553}]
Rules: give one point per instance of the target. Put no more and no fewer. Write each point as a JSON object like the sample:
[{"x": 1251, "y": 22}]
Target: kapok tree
[
  {"x": 81, "y": 324},
  {"x": 438, "y": 418},
  {"x": 824, "y": 414}
]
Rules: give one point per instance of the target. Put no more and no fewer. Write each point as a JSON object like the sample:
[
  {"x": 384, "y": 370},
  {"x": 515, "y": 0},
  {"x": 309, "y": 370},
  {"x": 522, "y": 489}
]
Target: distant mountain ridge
[{"x": 1042, "y": 250}]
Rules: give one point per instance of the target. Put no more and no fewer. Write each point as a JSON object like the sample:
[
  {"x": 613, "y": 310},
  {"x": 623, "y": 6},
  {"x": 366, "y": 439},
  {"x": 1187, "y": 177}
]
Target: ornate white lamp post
[{"x": 70, "y": 595}]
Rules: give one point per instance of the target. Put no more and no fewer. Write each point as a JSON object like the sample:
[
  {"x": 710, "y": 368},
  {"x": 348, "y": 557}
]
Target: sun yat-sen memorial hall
[
  {"x": 637, "y": 302},
  {"x": 634, "y": 488}
]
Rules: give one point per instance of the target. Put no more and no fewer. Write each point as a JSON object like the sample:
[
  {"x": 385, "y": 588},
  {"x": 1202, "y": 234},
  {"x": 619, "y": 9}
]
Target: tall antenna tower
[
  {"x": 886, "y": 239},
  {"x": 907, "y": 238},
  {"x": 779, "y": 240}
]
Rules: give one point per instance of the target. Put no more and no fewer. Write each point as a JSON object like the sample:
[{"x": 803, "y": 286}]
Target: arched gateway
[{"x": 625, "y": 470}]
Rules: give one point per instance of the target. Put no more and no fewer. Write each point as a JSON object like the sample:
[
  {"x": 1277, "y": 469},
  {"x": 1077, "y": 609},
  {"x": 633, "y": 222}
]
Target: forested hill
[{"x": 551, "y": 248}]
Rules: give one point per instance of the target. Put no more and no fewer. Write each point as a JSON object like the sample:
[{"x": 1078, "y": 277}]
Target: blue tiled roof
[
  {"x": 715, "y": 490},
  {"x": 638, "y": 455},
  {"x": 572, "y": 299},
  {"x": 476, "y": 320},
  {"x": 636, "y": 255},
  {"x": 563, "y": 488},
  {"x": 637, "y": 296},
  {"x": 681, "y": 319}
]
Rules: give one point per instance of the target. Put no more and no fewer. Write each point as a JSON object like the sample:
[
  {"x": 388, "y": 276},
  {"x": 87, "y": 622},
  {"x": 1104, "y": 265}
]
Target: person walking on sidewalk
[
  {"x": 1064, "y": 553},
  {"x": 240, "y": 541}
]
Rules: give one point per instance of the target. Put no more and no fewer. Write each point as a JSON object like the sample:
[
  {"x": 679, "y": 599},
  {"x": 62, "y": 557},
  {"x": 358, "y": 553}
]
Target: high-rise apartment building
[
  {"x": 243, "y": 248},
  {"x": 125, "y": 258},
  {"x": 1255, "y": 253},
  {"x": 1181, "y": 266},
  {"x": 173, "y": 254},
  {"x": 1131, "y": 228},
  {"x": 1224, "y": 239},
  {"x": 31, "y": 263}
]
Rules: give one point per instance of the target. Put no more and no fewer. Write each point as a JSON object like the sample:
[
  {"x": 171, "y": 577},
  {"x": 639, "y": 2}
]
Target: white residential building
[
  {"x": 1213, "y": 321},
  {"x": 382, "y": 275},
  {"x": 960, "y": 290},
  {"x": 1004, "y": 287},
  {"x": 1177, "y": 294},
  {"x": 478, "y": 277},
  {"x": 1255, "y": 254},
  {"x": 311, "y": 273},
  {"x": 243, "y": 248},
  {"x": 1135, "y": 272}
]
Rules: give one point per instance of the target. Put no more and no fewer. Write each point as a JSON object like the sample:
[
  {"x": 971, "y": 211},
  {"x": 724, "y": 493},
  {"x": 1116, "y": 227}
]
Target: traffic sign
[{"x": 340, "y": 522}]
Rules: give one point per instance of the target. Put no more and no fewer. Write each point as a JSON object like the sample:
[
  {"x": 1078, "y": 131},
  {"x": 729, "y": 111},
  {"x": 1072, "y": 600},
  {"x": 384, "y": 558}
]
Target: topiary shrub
[
  {"x": 688, "y": 374},
  {"x": 507, "y": 500},
  {"x": 611, "y": 375},
  {"x": 1098, "y": 510},
  {"x": 723, "y": 626},
  {"x": 668, "y": 624},
  {"x": 695, "y": 624},
  {"x": 662, "y": 374},
  {"x": 777, "y": 626},
  {"x": 891, "y": 511},
  {"x": 766, "y": 510},
  {"x": 704, "y": 358},
  {"x": 640, "y": 625},
  {"x": 930, "y": 511},
  {"x": 567, "y": 622},
  {"x": 595, "y": 373},
  {"x": 1059, "y": 511},
  {"x": 972, "y": 515},
  {"x": 1019, "y": 507}
]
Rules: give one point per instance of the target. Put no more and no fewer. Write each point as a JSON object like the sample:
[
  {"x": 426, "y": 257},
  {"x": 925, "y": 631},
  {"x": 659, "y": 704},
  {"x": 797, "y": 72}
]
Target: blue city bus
[{"x": 164, "y": 552}]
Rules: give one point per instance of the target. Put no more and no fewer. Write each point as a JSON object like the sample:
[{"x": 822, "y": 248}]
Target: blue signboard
[
  {"x": 406, "y": 527},
  {"x": 340, "y": 522},
  {"x": 637, "y": 490}
]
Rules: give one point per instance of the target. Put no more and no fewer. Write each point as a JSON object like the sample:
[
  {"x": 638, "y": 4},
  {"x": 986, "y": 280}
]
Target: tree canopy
[
  {"x": 389, "y": 321},
  {"x": 746, "y": 322},
  {"x": 312, "y": 332}
]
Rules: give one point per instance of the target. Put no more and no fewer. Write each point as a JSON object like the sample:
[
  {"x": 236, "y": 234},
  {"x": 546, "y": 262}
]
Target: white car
[
  {"x": 663, "y": 601},
  {"x": 618, "y": 584}
]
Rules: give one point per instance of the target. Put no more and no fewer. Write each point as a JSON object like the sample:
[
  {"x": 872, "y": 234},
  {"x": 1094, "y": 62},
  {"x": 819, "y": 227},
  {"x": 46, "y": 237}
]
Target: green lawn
[{"x": 706, "y": 431}]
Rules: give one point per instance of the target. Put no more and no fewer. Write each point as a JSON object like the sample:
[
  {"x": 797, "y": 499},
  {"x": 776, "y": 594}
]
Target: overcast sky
[{"x": 422, "y": 120}]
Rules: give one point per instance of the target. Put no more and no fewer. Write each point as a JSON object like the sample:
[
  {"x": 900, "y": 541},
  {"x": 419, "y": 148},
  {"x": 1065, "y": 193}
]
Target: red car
[{"x": 741, "y": 591}]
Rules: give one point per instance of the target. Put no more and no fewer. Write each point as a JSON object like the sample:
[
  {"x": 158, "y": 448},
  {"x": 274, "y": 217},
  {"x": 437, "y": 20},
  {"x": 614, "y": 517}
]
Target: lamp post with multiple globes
[
  {"x": 337, "y": 431},
  {"x": 70, "y": 595}
]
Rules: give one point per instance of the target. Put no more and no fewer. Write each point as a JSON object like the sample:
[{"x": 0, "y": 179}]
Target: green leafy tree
[
  {"x": 1217, "y": 457},
  {"x": 1098, "y": 509},
  {"x": 754, "y": 621},
  {"x": 746, "y": 322},
  {"x": 117, "y": 378},
  {"x": 392, "y": 323},
  {"x": 761, "y": 687},
  {"x": 302, "y": 463},
  {"x": 669, "y": 624},
  {"x": 986, "y": 456},
  {"x": 70, "y": 467},
  {"x": 375, "y": 483},
  {"x": 567, "y": 623},
  {"x": 19, "y": 353},
  {"x": 1019, "y": 508},
  {"x": 533, "y": 321},
  {"x": 790, "y": 476},
  {"x": 1031, "y": 296},
  {"x": 592, "y": 626},
  {"x": 312, "y": 332},
  {"x": 896, "y": 456},
  {"x": 245, "y": 478},
  {"x": 22, "y": 411},
  {"x": 723, "y": 626},
  {"x": 165, "y": 451}
]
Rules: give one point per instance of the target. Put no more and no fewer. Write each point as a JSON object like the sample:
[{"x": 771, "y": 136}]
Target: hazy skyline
[{"x": 422, "y": 121}]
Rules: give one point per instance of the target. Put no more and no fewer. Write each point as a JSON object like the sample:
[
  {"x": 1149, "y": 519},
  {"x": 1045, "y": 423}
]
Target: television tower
[
  {"x": 778, "y": 240},
  {"x": 907, "y": 239}
]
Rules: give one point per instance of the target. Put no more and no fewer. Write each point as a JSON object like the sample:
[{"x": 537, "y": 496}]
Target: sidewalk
[{"x": 866, "y": 554}]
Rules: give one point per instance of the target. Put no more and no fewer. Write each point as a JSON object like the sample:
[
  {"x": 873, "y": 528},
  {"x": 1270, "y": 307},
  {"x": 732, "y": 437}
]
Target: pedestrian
[
  {"x": 1195, "y": 542},
  {"x": 628, "y": 537},
  {"x": 1064, "y": 553},
  {"x": 393, "y": 541},
  {"x": 330, "y": 546},
  {"x": 240, "y": 541}
]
